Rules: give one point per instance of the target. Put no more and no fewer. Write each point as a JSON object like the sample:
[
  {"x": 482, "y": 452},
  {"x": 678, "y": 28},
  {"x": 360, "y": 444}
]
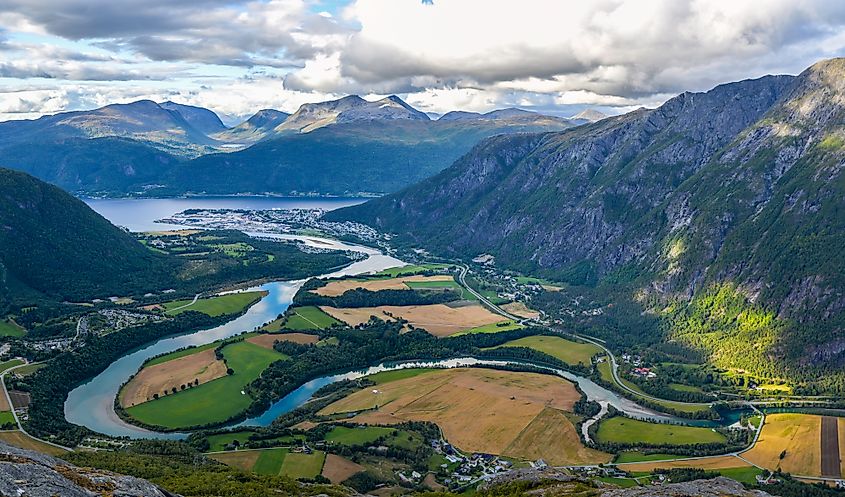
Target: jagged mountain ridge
[{"x": 740, "y": 187}]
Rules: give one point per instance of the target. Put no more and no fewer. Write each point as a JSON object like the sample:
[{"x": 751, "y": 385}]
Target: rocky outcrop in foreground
[
  {"x": 32, "y": 474},
  {"x": 717, "y": 487}
]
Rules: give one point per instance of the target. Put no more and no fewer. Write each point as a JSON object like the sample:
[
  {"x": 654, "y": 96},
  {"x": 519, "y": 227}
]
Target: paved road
[
  {"x": 15, "y": 414},
  {"x": 483, "y": 299},
  {"x": 197, "y": 296}
]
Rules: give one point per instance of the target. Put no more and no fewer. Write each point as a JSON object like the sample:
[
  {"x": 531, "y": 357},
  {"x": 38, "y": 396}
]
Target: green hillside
[
  {"x": 719, "y": 213},
  {"x": 53, "y": 244}
]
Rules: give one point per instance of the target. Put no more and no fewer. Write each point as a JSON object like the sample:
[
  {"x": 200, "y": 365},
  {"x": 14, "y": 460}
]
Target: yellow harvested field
[
  {"x": 551, "y": 436},
  {"x": 479, "y": 410},
  {"x": 338, "y": 469},
  {"x": 707, "y": 463},
  {"x": 799, "y": 435},
  {"x": 4, "y": 401},
  {"x": 438, "y": 319},
  {"x": 242, "y": 459},
  {"x": 305, "y": 425},
  {"x": 18, "y": 439},
  {"x": 202, "y": 366},
  {"x": 268, "y": 339},
  {"x": 521, "y": 310},
  {"x": 335, "y": 288},
  {"x": 842, "y": 445}
]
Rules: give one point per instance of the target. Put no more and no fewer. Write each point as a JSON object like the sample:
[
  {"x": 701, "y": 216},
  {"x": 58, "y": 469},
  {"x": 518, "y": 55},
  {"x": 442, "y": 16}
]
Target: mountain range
[
  {"x": 719, "y": 214},
  {"x": 345, "y": 146}
]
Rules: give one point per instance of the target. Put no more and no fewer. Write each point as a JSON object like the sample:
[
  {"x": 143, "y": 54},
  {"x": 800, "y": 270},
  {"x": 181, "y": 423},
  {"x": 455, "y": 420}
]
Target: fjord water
[{"x": 140, "y": 214}]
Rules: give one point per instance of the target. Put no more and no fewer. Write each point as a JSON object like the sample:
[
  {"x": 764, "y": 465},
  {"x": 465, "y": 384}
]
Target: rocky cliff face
[
  {"x": 32, "y": 474},
  {"x": 740, "y": 186}
]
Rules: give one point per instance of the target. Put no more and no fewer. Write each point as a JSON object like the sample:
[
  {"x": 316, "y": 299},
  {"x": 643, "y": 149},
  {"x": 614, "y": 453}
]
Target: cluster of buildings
[
  {"x": 464, "y": 469},
  {"x": 282, "y": 221}
]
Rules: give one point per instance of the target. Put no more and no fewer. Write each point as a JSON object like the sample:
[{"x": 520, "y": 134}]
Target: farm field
[
  {"x": 707, "y": 463},
  {"x": 636, "y": 456},
  {"x": 214, "y": 401},
  {"x": 219, "y": 442},
  {"x": 29, "y": 369},
  {"x": 18, "y": 439},
  {"x": 338, "y": 469},
  {"x": 412, "y": 269},
  {"x": 567, "y": 351},
  {"x": 551, "y": 436},
  {"x": 308, "y": 318},
  {"x": 492, "y": 328},
  {"x": 335, "y": 288},
  {"x": 4, "y": 402},
  {"x": 799, "y": 435},
  {"x": 9, "y": 328},
  {"x": 196, "y": 369},
  {"x": 231, "y": 303},
  {"x": 7, "y": 418},
  {"x": 357, "y": 436},
  {"x": 521, "y": 310},
  {"x": 479, "y": 410},
  {"x": 438, "y": 319},
  {"x": 267, "y": 340},
  {"x": 275, "y": 462},
  {"x": 10, "y": 364},
  {"x": 624, "y": 430}
]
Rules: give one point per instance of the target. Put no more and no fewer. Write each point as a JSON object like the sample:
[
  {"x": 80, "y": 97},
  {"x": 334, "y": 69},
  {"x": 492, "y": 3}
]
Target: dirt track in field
[{"x": 830, "y": 447}]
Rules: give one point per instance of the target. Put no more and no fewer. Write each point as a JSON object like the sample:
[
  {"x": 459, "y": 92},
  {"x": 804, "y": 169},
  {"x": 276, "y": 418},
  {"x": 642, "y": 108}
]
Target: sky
[{"x": 553, "y": 56}]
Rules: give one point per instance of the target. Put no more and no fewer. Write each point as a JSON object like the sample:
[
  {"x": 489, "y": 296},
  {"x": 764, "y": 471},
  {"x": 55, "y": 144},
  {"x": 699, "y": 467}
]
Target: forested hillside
[
  {"x": 53, "y": 244},
  {"x": 720, "y": 213}
]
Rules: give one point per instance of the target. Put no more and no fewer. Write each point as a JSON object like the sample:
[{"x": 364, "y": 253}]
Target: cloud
[{"x": 552, "y": 55}]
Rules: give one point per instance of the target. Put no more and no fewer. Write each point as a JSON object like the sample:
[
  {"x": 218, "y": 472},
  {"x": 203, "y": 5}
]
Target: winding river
[{"x": 92, "y": 403}]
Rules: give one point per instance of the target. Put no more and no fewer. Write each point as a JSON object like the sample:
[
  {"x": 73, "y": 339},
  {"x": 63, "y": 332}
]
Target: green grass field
[
  {"x": 566, "y": 350},
  {"x": 29, "y": 369},
  {"x": 9, "y": 328},
  {"x": 297, "y": 465},
  {"x": 636, "y": 456},
  {"x": 685, "y": 388},
  {"x": 9, "y": 364},
  {"x": 434, "y": 285},
  {"x": 624, "y": 430},
  {"x": 270, "y": 462},
  {"x": 491, "y": 328},
  {"x": 619, "y": 482},
  {"x": 604, "y": 370},
  {"x": 742, "y": 475},
  {"x": 231, "y": 303},
  {"x": 181, "y": 353},
  {"x": 7, "y": 418},
  {"x": 328, "y": 341},
  {"x": 411, "y": 269},
  {"x": 308, "y": 318},
  {"x": 398, "y": 374},
  {"x": 217, "y": 443},
  {"x": 211, "y": 402},
  {"x": 357, "y": 436}
]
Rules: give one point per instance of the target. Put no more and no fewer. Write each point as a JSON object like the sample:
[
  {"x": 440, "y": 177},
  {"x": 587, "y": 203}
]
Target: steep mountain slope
[
  {"x": 202, "y": 119},
  {"x": 254, "y": 129},
  {"x": 721, "y": 212},
  {"x": 53, "y": 244}
]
